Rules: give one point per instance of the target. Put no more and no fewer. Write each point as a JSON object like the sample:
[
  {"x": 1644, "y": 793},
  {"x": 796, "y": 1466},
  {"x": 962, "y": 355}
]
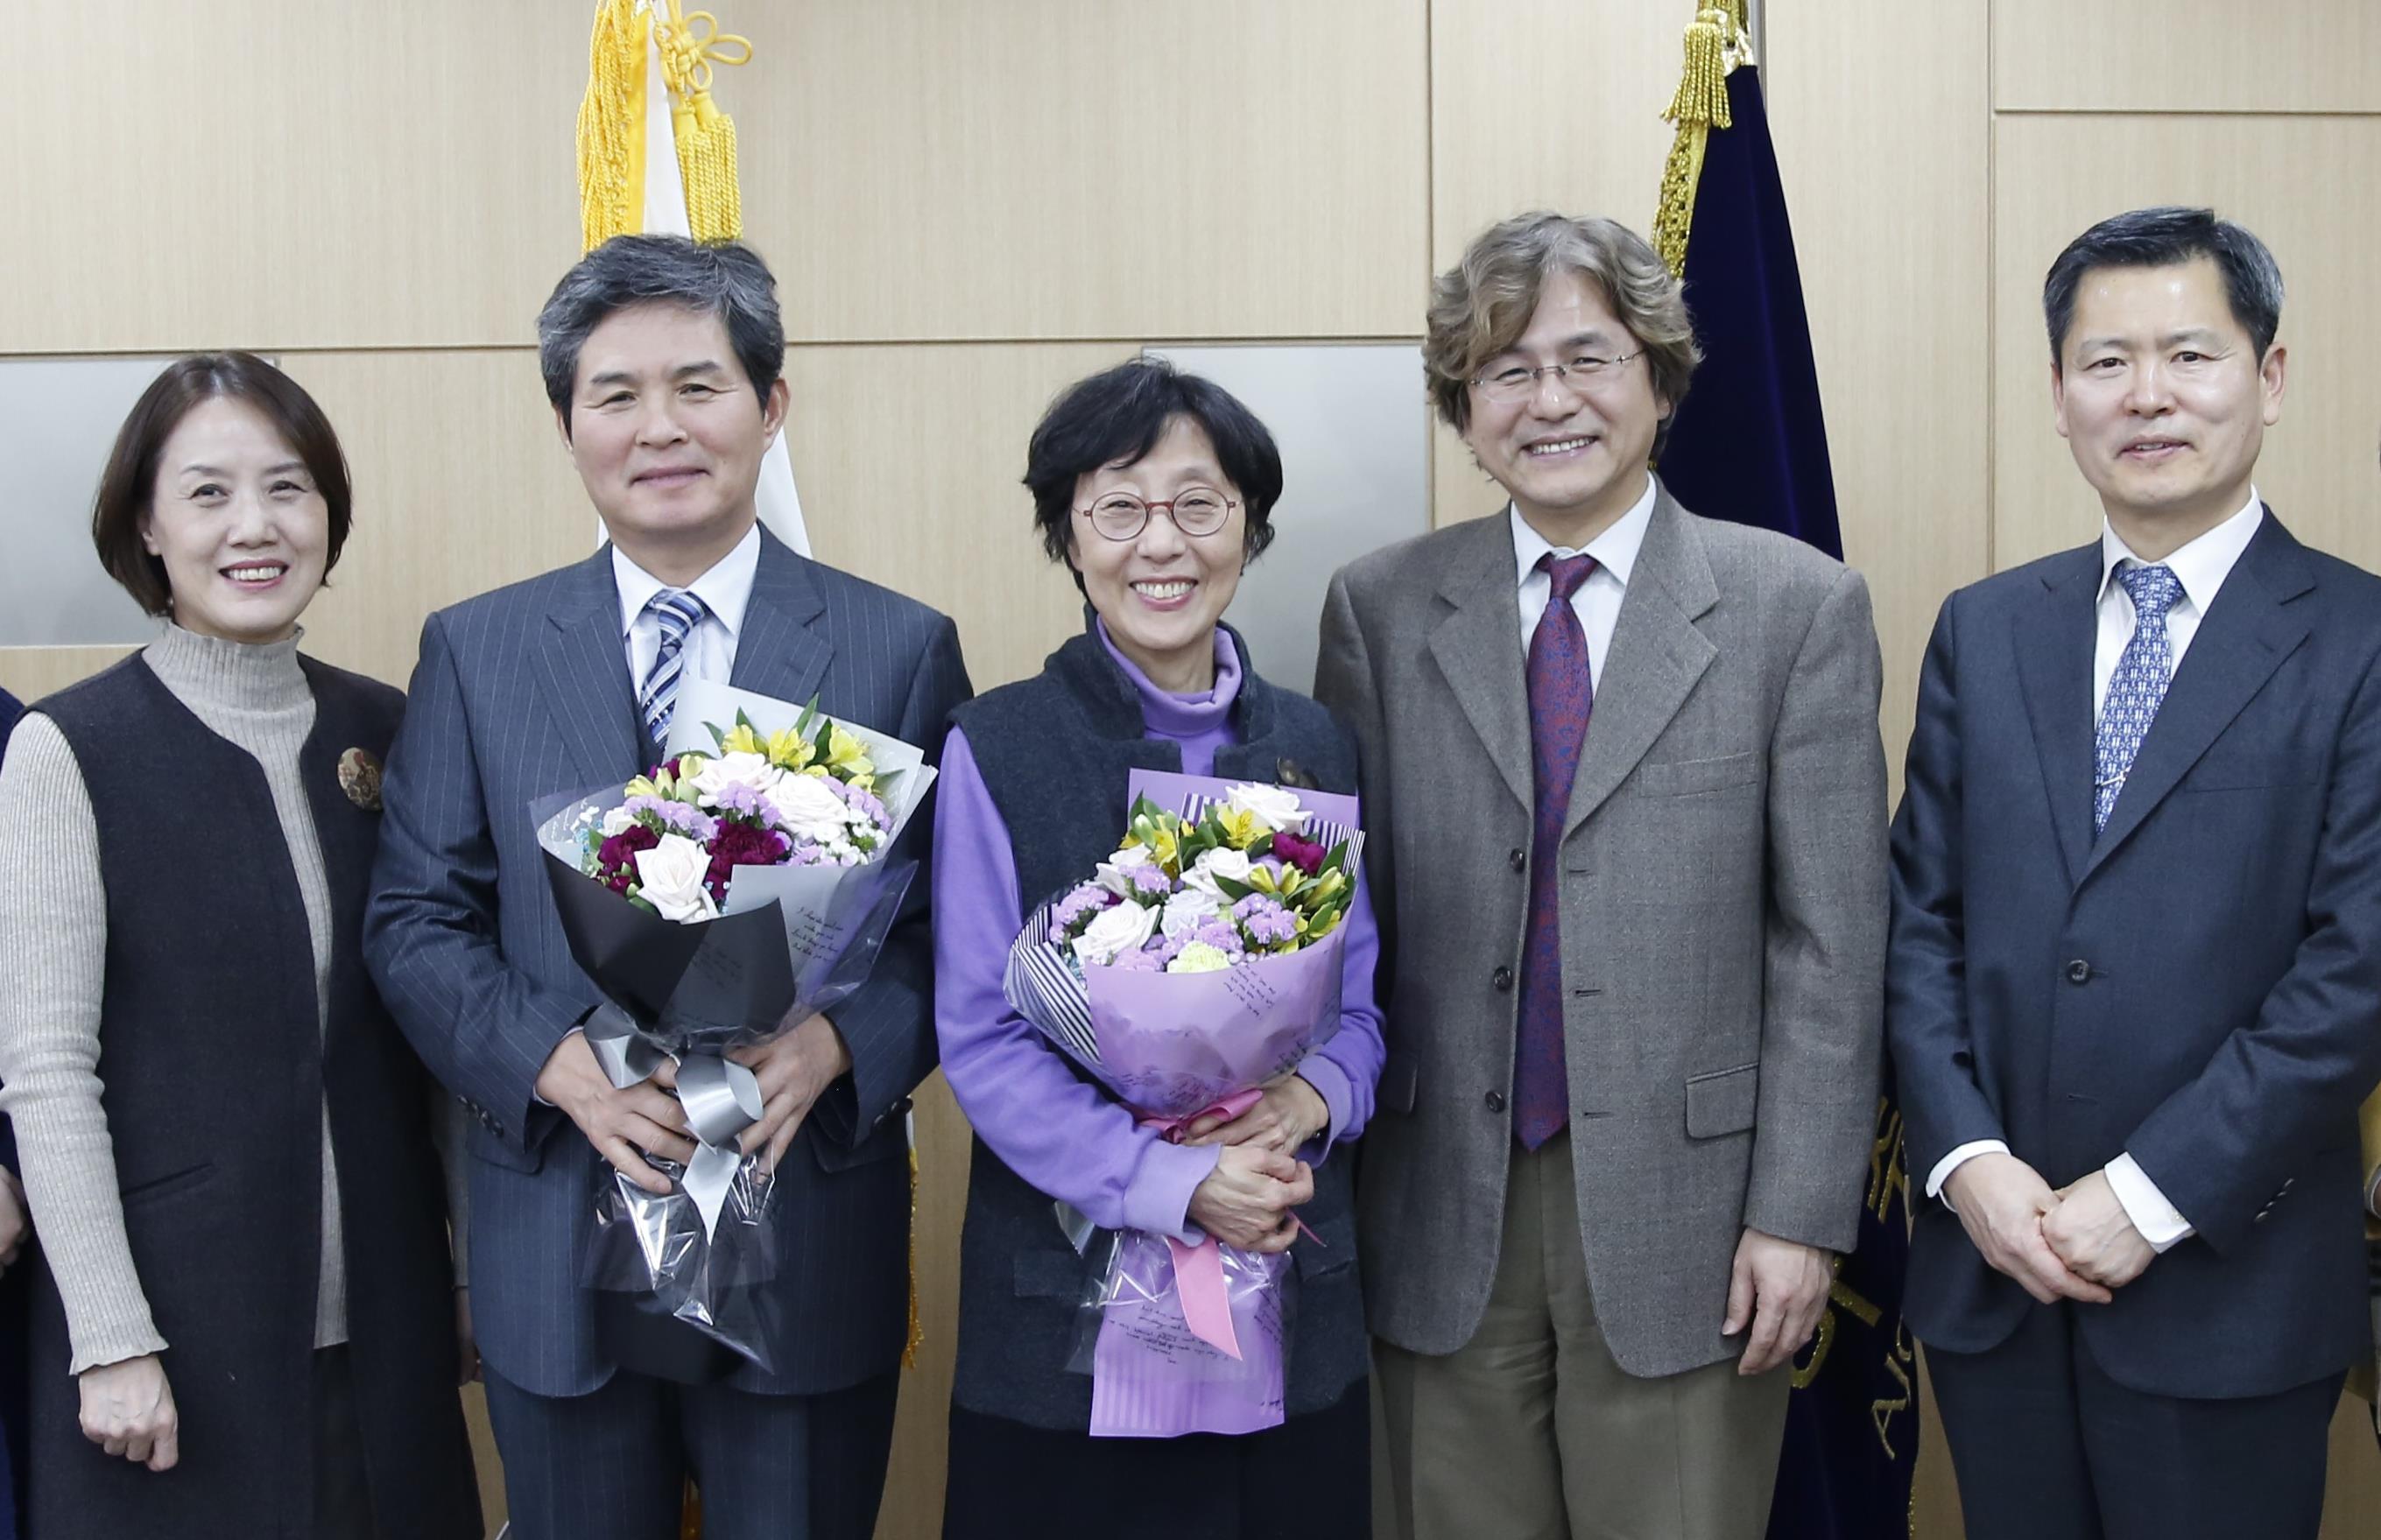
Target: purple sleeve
[
  {"x": 1064, "y": 1136},
  {"x": 1346, "y": 1071}
]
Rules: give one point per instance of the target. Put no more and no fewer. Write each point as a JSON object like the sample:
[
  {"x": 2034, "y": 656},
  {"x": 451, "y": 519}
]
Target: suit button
[
  {"x": 1502, "y": 978},
  {"x": 2079, "y": 971},
  {"x": 1496, "y": 1101},
  {"x": 1516, "y": 859}
]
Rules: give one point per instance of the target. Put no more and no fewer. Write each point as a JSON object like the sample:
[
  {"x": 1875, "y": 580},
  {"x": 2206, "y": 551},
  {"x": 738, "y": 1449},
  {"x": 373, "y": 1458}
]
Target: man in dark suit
[
  {"x": 661, "y": 360},
  {"x": 2136, "y": 955}
]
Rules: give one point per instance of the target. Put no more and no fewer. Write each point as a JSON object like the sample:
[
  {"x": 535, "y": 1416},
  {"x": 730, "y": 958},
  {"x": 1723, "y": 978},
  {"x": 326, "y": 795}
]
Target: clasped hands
[
  {"x": 1251, "y": 1200},
  {"x": 2074, "y": 1243},
  {"x": 626, "y": 1123}
]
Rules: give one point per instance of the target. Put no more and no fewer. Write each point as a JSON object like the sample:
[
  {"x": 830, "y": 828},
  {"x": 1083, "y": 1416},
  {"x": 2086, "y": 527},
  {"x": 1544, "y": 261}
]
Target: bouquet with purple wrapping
[
  {"x": 1200, "y": 962},
  {"x": 743, "y": 884}
]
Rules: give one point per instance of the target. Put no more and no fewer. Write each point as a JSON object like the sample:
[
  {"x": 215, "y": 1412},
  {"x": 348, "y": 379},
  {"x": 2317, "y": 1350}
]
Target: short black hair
[
  {"x": 127, "y": 486},
  {"x": 2167, "y": 237},
  {"x": 1117, "y": 416},
  {"x": 726, "y": 279}
]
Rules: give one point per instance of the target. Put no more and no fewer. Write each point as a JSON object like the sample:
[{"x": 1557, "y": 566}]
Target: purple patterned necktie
[{"x": 1561, "y": 695}]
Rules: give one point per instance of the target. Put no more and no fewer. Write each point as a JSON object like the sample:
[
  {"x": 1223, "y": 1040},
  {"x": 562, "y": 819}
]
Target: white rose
[
  {"x": 618, "y": 821},
  {"x": 669, "y": 877},
  {"x": 1112, "y": 872},
  {"x": 1187, "y": 911},
  {"x": 1275, "y": 808},
  {"x": 1120, "y": 928},
  {"x": 1212, "y": 864},
  {"x": 807, "y": 808},
  {"x": 753, "y": 770}
]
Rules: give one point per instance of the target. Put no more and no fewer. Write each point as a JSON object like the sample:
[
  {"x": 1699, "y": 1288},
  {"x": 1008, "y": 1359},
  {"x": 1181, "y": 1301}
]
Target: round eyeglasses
[
  {"x": 1519, "y": 384},
  {"x": 1121, "y": 516}
]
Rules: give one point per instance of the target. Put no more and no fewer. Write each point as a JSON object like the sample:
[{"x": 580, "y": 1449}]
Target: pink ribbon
[{"x": 1199, "y": 1270}]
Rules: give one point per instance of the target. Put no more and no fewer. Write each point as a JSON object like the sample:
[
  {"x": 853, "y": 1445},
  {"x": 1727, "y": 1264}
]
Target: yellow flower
[
  {"x": 1162, "y": 838},
  {"x": 741, "y": 739},
  {"x": 788, "y": 750},
  {"x": 848, "y": 757},
  {"x": 1240, "y": 828}
]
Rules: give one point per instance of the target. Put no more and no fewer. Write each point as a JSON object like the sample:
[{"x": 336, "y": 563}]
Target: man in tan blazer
[{"x": 1626, "y": 804}]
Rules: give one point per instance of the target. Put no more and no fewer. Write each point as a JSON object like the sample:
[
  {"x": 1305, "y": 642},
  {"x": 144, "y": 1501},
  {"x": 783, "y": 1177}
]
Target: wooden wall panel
[
  {"x": 1546, "y": 103},
  {"x": 2184, "y": 56},
  {"x": 907, "y": 458},
  {"x": 2305, "y": 185},
  {"x": 345, "y": 175},
  {"x": 1086, "y": 168},
  {"x": 1889, "y": 231},
  {"x": 460, "y": 485}
]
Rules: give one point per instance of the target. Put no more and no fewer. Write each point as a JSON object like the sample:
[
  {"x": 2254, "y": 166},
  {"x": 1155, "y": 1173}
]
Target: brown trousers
[{"x": 1532, "y": 1432}]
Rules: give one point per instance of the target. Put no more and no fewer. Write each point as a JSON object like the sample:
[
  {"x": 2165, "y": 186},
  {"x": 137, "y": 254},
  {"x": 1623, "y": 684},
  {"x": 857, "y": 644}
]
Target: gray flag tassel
[{"x": 722, "y": 1099}]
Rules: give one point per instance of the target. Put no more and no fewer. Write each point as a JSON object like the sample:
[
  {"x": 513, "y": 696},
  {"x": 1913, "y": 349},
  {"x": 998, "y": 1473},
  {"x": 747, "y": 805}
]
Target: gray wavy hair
[{"x": 1480, "y": 307}]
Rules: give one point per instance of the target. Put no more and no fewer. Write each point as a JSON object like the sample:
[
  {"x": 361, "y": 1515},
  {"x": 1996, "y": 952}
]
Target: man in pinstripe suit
[{"x": 661, "y": 360}]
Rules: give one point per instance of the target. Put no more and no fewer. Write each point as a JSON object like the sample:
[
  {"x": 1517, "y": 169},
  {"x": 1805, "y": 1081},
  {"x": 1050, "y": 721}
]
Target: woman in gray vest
[
  {"x": 243, "y": 1322},
  {"x": 1156, "y": 489}
]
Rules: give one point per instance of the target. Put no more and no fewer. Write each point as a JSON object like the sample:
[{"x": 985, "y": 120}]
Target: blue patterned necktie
[
  {"x": 2137, "y": 687},
  {"x": 1562, "y": 695},
  {"x": 677, "y": 612}
]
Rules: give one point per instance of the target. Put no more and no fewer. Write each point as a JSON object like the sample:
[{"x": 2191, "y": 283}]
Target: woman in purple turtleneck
[{"x": 1156, "y": 489}]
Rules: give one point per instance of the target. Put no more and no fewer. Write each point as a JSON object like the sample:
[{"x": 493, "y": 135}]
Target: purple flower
[
  {"x": 1220, "y": 935},
  {"x": 682, "y": 817},
  {"x": 1144, "y": 960},
  {"x": 738, "y": 797},
  {"x": 1267, "y": 924},
  {"x": 1085, "y": 901},
  {"x": 1149, "y": 882}
]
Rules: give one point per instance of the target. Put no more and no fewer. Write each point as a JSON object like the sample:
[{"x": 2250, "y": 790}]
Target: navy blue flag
[{"x": 1750, "y": 443}]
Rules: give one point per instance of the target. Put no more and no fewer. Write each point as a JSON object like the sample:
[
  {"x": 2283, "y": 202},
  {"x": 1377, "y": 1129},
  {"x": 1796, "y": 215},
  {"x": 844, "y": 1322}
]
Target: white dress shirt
[
  {"x": 1596, "y": 602},
  {"x": 2199, "y": 567},
  {"x": 709, "y": 651}
]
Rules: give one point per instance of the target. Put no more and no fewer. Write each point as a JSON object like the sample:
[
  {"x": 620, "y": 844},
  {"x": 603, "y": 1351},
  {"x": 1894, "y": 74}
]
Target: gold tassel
[
  {"x": 690, "y": 44},
  {"x": 612, "y": 126},
  {"x": 917, "y": 1327},
  {"x": 1717, "y": 42}
]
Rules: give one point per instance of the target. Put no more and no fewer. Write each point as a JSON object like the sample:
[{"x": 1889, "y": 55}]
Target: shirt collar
[
  {"x": 725, "y": 589},
  {"x": 2201, "y": 565},
  {"x": 1615, "y": 550}
]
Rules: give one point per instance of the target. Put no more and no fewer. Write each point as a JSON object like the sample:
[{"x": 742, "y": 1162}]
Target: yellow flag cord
[
  {"x": 612, "y": 120},
  {"x": 1717, "y": 42}
]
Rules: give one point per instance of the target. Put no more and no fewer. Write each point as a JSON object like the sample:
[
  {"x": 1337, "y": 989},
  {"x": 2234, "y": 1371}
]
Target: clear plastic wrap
[{"x": 1153, "y": 1373}]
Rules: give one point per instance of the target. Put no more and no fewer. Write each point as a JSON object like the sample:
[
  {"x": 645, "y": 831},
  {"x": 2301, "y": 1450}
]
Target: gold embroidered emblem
[{"x": 360, "y": 779}]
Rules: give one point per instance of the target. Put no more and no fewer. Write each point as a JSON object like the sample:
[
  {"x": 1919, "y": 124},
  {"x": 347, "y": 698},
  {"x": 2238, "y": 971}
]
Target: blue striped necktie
[
  {"x": 2137, "y": 688},
  {"x": 677, "y": 612}
]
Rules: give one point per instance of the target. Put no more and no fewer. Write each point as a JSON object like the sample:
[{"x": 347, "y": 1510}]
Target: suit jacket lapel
[
  {"x": 1479, "y": 648},
  {"x": 1656, "y": 657},
  {"x": 585, "y": 667},
  {"x": 778, "y": 652},
  {"x": 2242, "y": 638},
  {"x": 2054, "y": 662}
]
